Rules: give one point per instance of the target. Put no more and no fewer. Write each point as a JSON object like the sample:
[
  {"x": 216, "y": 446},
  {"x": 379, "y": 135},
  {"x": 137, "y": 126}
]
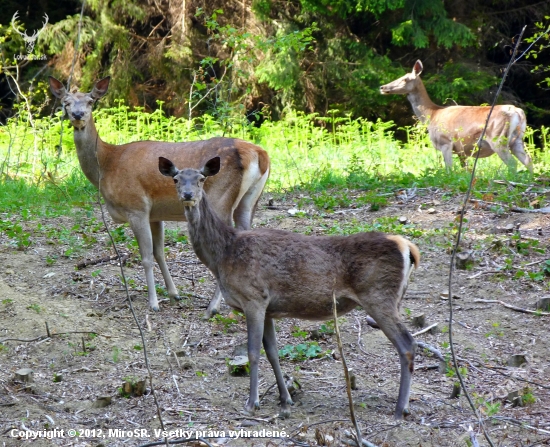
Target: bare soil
[{"x": 188, "y": 355}]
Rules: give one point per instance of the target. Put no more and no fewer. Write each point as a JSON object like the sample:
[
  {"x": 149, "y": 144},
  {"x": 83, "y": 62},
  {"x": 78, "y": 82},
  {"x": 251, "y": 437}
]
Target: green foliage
[
  {"x": 301, "y": 352},
  {"x": 116, "y": 354},
  {"x": 496, "y": 330},
  {"x": 35, "y": 307},
  {"x": 459, "y": 83},
  {"x": 226, "y": 322}
]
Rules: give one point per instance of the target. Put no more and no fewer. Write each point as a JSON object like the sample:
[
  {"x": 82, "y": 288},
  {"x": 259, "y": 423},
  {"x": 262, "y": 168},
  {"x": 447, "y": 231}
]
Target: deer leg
[
  {"x": 255, "y": 327},
  {"x": 157, "y": 232},
  {"x": 244, "y": 212},
  {"x": 214, "y": 306},
  {"x": 403, "y": 341},
  {"x": 447, "y": 151},
  {"x": 272, "y": 353},
  {"x": 518, "y": 150},
  {"x": 142, "y": 231}
]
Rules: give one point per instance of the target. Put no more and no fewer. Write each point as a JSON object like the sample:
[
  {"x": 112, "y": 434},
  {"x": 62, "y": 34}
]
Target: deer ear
[
  {"x": 167, "y": 168},
  {"x": 101, "y": 87},
  {"x": 57, "y": 88},
  {"x": 417, "y": 69},
  {"x": 212, "y": 167}
]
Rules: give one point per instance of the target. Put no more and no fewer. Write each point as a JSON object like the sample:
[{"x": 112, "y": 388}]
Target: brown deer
[
  {"x": 273, "y": 274},
  {"x": 457, "y": 128},
  {"x": 127, "y": 177}
]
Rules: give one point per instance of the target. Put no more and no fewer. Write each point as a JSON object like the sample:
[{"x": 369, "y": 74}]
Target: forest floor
[{"x": 73, "y": 374}]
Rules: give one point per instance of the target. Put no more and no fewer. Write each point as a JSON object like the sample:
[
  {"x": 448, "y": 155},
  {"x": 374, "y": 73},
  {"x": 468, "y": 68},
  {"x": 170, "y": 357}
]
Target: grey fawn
[{"x": 271, "y": 274}]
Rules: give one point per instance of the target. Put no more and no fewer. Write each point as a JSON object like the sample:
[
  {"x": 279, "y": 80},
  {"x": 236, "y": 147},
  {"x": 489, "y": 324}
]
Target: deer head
[
  {"x": 29, "y": 40},
  {"x": 79, "y": 105}
]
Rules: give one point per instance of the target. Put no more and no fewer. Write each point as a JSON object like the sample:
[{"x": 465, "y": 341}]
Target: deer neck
[
  {"x": 90, "y": 149},
  {"x": 422, "y": 105},
  {"x": 210, "y": 236}
]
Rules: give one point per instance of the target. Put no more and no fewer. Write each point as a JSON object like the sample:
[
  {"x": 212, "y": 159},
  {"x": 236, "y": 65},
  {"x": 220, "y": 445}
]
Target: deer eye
[
  {"x": 175, "y": 180},
  {"x": 202, "y": 179}
]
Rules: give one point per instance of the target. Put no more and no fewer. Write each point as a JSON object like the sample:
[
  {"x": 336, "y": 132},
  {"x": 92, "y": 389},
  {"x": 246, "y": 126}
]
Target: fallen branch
[
  {"x": 545, "y": 210},
  {"x": 45, "y": 337},
  {"x": 430, "y": 348},
  {"x": 123, "y": 258},
  {"x": 510, "y": 306},
  {"x": 426, "y": 329},
  {"x": 352, "y": 442}
]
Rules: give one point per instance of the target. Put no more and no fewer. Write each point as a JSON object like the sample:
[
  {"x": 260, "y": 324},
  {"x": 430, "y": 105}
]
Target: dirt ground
[{"x": 74, "y": 374}]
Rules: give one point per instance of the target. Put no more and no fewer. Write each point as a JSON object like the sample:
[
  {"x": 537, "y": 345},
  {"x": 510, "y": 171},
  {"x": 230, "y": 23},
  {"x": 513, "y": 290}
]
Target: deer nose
[
  {"x": 78, "y": 115},
  {"x": 187, "y": 195}
]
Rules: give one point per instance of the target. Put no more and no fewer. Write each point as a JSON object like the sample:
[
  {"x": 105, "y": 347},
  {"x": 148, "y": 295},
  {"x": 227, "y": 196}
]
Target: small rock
[
  {"x": 445, "y": 295},
  {"x": 293, "y": 211},
  {"x": 188, "y": 364},
  {"x": 455, "y": 394},
  {"x": 352, "y": 380},
  {"x": 57, "y": 378},
  {"x": 419, "y": 320},
  {"x": 139, "y": 388},
  {"x": 314, "y": 334},
  {"x": 543, "y": 304},
  {"x": 464, "y": 260},
  {"x": 403, "y": 220},
  {"x": 9, "y": 272},
  {"x": 516, "y": 360},
  {"x": 431, "y": 211},
  {"x": 24, "y": 375},
  {"x": 102, "y": 401},
  {"x": 515, "y": 398}
]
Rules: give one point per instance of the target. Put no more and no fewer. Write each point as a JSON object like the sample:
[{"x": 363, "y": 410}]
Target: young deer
[
  {"x": 127, "y": 177},
  {"x": 457, "y": 128},
  {"x": 273, "y": 274}
]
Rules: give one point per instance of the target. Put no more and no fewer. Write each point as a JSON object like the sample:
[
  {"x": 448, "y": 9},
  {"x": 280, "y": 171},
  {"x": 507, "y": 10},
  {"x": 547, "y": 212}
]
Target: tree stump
[
  {"x": 464, "y": 260},
  {"x": 419, "y": 320},
  {"x": 516, "y": 360},
  {"x": 24, "y": 375},
  {"x": 543, "y": 304}
]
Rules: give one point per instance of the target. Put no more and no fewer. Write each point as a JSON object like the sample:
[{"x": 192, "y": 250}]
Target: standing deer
[
  {"x": 127, "y": 177},
  {"x": 457, "y": 128},
  {"x": 273, "y": 274}
]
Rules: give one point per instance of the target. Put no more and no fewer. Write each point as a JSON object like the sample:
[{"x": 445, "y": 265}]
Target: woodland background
[{"x": 258, "y": 58}]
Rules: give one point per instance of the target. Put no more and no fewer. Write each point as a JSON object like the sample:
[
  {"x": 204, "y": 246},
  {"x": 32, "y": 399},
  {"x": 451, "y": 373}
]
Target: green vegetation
[{"x": 302, "y": 351}]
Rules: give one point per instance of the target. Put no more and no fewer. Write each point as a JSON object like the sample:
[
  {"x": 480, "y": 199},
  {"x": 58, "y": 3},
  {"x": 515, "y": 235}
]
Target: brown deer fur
[
  {"x": 458, "y": 128},
  {"x": 135, "y": 192}
]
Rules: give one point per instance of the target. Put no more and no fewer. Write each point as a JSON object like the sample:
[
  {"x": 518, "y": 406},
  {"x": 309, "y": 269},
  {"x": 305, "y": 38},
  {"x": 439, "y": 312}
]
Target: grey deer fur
[{"x": 270, "y": 274}]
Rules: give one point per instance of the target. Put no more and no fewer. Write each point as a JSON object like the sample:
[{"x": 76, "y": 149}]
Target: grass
[{"x": 39, "y": 178}]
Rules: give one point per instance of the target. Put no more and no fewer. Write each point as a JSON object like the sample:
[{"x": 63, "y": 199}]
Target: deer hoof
[
  {"x": 155, "y": 308},
  {"x": 210, "y": 313},
  {"x": 250, "y": 411}
]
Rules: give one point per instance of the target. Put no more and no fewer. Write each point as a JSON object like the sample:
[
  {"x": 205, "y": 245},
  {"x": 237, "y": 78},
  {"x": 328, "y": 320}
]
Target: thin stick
[
  {"x": 510, "y": 306},
  {"x": 44, "y": 337},
  {"x": 346, "y": 372},
  {"x": 48, "y": 330},
  {"x": 457, "y": 244},
  {"x": 426, "y": 329},
  {"x": 133, "y": 313}
]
